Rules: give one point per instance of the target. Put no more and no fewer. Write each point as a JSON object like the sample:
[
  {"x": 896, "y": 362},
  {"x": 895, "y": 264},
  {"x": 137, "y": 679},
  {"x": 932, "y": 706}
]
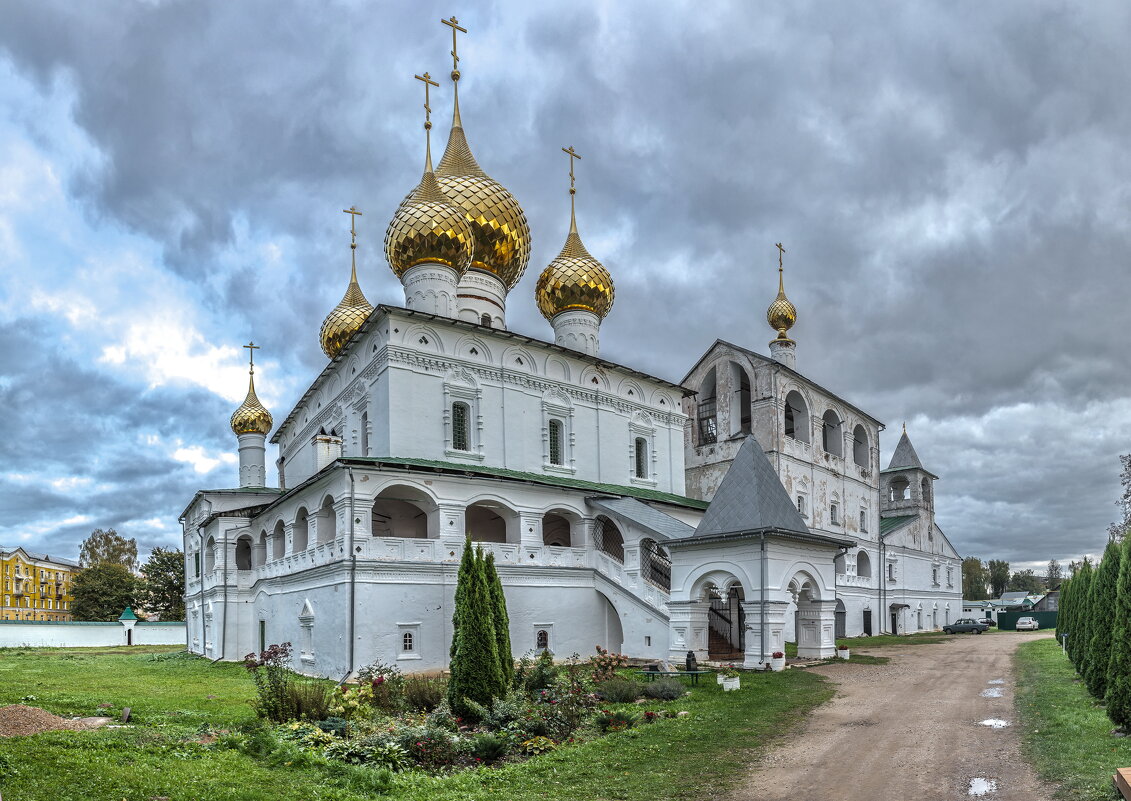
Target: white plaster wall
[{"x": 78, "y": 635}]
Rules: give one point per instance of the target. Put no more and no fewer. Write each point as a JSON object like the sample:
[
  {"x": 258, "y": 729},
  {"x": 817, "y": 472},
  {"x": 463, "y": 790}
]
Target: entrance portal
[
  {"x": 726, "y": 626},
  {"x": 841, "y": 614}
]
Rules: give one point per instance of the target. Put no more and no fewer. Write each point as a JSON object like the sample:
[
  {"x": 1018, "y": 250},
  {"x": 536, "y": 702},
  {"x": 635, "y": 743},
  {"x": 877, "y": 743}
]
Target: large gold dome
[
  {"x": 502, "y": 235},
  {"x": 252, "y": 417},
  {"x": 428, "y": 227},
  {"x": 345, "y": 319},
  {"x": 574, "y": 280}
]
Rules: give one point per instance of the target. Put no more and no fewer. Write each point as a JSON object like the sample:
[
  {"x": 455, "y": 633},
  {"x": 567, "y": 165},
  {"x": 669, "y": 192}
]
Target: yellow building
[{"x": 36, "y": 586}]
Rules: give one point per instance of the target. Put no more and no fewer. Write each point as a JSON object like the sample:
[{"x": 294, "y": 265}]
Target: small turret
[{"x": 251, "y": 422}]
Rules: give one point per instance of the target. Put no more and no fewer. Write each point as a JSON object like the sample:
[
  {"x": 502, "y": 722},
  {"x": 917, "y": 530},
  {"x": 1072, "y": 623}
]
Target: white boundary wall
[{"x": 36, "y": 634}]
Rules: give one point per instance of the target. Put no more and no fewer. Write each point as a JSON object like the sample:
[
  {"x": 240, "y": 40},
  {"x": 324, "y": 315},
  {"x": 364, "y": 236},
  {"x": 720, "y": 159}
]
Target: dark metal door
[{"x": 868, "y": 622}]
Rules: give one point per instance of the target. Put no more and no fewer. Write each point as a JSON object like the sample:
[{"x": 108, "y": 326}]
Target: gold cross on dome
[
  {"x": 572, "y": 155},
  {"x": 354, "y": 214},
  {"x": 427, "y": 79},
  {"x": 453, "y": 23},
  {"x": 781, "y": 250},
  {"x": 251, "y": 349}
]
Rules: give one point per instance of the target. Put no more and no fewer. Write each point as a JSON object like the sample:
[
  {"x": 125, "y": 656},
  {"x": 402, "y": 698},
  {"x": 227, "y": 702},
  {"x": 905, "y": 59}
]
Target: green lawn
[
  {"x": 1066, "y": 734},
  {"x": 700, "y": 755}
]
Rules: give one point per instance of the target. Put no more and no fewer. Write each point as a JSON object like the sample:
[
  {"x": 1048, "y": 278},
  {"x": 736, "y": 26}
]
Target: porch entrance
[{"x": 726, "y": 626}]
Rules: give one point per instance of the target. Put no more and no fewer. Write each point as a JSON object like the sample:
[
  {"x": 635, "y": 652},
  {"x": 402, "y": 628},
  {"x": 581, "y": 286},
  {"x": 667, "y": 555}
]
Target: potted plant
[
  {"x": 729, "y": 678},
  {"x": 842, "y": 651},
  {"x": 777, "y": 661}
]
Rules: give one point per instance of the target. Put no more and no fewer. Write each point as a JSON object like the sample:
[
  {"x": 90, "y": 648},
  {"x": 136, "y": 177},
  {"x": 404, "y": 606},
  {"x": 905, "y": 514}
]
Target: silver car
[{"x": 1027, "y": 624}]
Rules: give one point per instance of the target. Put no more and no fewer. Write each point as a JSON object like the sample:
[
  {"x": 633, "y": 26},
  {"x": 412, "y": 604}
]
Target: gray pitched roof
[
  {"x": 905, "y": 455},
  {"x": 645, "y": 516},
  {"x": 750, "y": 498}
]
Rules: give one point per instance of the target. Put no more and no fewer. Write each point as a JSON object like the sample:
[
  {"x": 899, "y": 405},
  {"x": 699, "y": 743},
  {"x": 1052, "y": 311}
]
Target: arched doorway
[
  {"x": 555, "y": 530},
  {"x": 841, "y": 619},
  {"x": 243, "y": 552},
  {"x": 726, "y": 624}
]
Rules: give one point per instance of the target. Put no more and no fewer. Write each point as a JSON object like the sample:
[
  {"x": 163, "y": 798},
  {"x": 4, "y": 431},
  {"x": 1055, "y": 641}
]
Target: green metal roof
[
  {"x": 890, "y": 524},
  {"x": 127, "y": 614},
  {"x": 641, "y": 493}
]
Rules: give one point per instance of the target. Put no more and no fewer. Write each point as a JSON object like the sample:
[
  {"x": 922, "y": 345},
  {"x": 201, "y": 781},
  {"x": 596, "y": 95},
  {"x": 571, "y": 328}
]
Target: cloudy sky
[{"x": 951, "y": 181}]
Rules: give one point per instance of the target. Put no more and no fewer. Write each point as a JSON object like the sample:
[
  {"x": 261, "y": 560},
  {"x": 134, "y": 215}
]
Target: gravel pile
[{"x": 18, "y": 720}]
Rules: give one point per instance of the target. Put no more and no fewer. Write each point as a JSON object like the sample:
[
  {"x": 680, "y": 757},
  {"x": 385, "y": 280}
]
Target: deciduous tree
[
  {"x": 1053, "y": 574},
  {"x": 102, "y": 591},
  {"x": 1025, "y": 581},
  {"x": 108, "y": 546},
  {"x": 998, "y": 576},
  {"x": 973, "y": 579},
  {"x": 163, "y": 583}
]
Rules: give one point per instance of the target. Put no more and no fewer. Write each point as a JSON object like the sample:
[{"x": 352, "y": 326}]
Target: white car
[{"x": 1027, "y": 624}]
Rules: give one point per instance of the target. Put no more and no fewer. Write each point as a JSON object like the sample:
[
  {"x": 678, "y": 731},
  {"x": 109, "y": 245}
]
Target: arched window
[
  {"x": 801, "y": 506},
  {"x": 831, "y": 439},
  {"x": 485, "y": 320},
  {"x": 555, "y": 530},
  {"x": 406, "y": 641},
  {"x": 641, "y": 457},
  {"x": 707, "y": 410},
  {"x": 608, "y": 539},
  {"x": 925, "y": 488},
  {"x": 278, "y": 541},
  {"x": 796, "y": 417},
  {"x": 899, "y": 487},
  {"x": 365, "y": 433},
  {"x": 300, "y": 536},
  {"x": 863, "y": 522},
  {"x": 542, "y": 640},
  {"x": 555, "y": 427},
  {"x": 863, "y": 564},
  {"x": 834, "y": 514},
  {"x": 243, "y": 553},
  {"x": 327, "y": 521},
  {"x": 460, "y": 415},
  {"x": 259, "y": 556},
  {"x": 740, "y": 400},
  {"x": 400, "y": 512},
  {"x": 485, "y": 523},
  {"x": 860, "y": 446},
  {"x": 210, "y": 555},
  {"x": 655, "y": 564}
]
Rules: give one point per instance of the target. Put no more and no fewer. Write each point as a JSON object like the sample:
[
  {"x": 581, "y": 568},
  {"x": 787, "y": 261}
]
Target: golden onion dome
[
  {"x": 502, "y": 235},
  {"x": 782, "y": 314},
  {"x": 574, "y": 280},
  {"x": 428, "y": 228},
  {"x": 252, "y": 417},
  {"x": 345, "y": 319}
]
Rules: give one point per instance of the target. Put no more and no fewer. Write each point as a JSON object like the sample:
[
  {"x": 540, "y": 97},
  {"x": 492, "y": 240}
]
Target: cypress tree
[
  {"x": 1118, "y": 685},
  {"x": 466, "y": 565},
  {"x": 501, "y": 620},
  {"x": 475, "y": 670},
  {"x": 1064, "y": 615},
  {"x": 1101, "y": 601},
  {"x": 1078, "y": 639}
]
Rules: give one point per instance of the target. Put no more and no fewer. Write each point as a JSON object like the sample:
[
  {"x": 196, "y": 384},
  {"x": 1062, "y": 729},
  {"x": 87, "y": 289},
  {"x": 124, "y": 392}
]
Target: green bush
[
  {"x": 617, "y": 720},
  {"x": 423, "y": 694},
  {"x": 428, "y": 746},
  {"x": 272, "y": 676},
  {"x": 339, "y": 727},
  {"x": 386, "y": 683},
  {"x": 308, "y": 699},
  {"x": 533, "y": 675},
  {"x": 665, "y": 689},
  {"x": 536, "y": 746},
  {"x": 377, "y": 751},
  {"x": 489, "y": 747},
  {"x": 619, "y": 691},
  {"x": 501, "y": 713}
]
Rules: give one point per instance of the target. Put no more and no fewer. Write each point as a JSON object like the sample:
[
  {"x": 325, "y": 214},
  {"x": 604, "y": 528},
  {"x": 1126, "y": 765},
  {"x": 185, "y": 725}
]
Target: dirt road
[{"x": 909, "y": 730}]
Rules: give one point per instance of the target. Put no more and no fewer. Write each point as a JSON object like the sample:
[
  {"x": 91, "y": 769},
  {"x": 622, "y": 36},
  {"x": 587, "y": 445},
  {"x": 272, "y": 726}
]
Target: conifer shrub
[
  {"x": 475, "y": 669},
  {"x": 1102, "y": 595},
  {"x": 1118, "y": 683},
  {"x": 501, "y": 621},
  {"x": 489, "y": 747}
]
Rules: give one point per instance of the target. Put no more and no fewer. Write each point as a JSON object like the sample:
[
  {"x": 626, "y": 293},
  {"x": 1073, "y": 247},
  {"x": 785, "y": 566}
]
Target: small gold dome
[
  {"x": 574, "y": 280},
  {"x": 345, "y": 319},
  {"x": 782, "y": 314},
  {"x": 428, "y": 228},
  {"x": 502, "y": 235},
  {"x": 252, "y": 417}
]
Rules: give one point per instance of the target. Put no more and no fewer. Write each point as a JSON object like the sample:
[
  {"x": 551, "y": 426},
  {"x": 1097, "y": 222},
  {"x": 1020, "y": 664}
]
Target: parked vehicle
[
  {"x": 987, "y": 621},
  {"x": 1027, "y": 624},
  {"x": 965, "y": 625}
]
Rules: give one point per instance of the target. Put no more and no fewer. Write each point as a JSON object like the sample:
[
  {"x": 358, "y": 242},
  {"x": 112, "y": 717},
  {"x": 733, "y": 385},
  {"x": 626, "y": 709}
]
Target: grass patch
[
  {"x": 700, "y": 755},
  {"x": 1066, "y": 734},
  {"x": 885, "y": 640}
]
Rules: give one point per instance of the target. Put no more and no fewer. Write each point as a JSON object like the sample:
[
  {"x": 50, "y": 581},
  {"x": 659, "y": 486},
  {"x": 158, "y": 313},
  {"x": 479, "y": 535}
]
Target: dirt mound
[{"x": 19, "y": 720}]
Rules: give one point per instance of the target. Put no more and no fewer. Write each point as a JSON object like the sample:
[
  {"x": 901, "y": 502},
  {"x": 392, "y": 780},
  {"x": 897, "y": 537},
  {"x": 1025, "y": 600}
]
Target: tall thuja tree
[
  {"x": 475, "y": 673},
  {"x": 1064, "y": 614},
  {"x": 1118, "y": 685},
  {"x": 1101, "y": 601},
  {"x": 466, "y": 565},
  {"x": 1079, "y": 638},
  {"x": 502, "y": 621}
]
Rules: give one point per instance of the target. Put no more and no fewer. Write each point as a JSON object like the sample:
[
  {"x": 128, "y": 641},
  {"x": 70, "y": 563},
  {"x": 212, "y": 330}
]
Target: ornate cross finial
[
  {"x": 251, "y": 349},
  {"x": 572, "y": 155},
  {"x": 427, "y": 79},
  {"x": 781, "y": 250},
  {"x": 453, "y": 23},
  {"x": 354, "y": 214},
  {"x": 904, "y": 426}
]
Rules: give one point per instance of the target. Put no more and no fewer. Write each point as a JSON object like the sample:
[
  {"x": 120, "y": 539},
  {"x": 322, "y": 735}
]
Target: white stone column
[
  {"x": 687, "y": 630},
  {"x": 482, "y": 294},
  {"x": 774, "y": 633},
  {"x": 253, "y": 460},
  {"x": 431, "y": 287},
  {"x": 816, "y": 629},
  {"x": 578, "y": 330},
  {"x": 784, "y": 351}
]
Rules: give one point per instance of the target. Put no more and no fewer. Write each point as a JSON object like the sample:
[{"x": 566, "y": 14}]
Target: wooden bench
[
  {"x": 652, "y": 674},
  {"x": 1122, "y": 779}
]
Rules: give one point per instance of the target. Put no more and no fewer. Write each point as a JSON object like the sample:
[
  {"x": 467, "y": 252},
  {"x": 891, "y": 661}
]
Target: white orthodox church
[{"x": 723, "y": 514}]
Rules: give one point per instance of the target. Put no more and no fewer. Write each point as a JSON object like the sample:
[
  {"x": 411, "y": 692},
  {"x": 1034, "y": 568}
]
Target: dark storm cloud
[{"x": 950, "y": 184}]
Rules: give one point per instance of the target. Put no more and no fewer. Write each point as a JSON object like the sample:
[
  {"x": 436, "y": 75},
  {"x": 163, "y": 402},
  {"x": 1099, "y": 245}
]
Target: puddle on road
[
  {"x": 995, "y": 723},
  {"x": 993, "y": 692},
  {"x": 996, "y": 681},
  {"x": 980, "y": 787}
]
